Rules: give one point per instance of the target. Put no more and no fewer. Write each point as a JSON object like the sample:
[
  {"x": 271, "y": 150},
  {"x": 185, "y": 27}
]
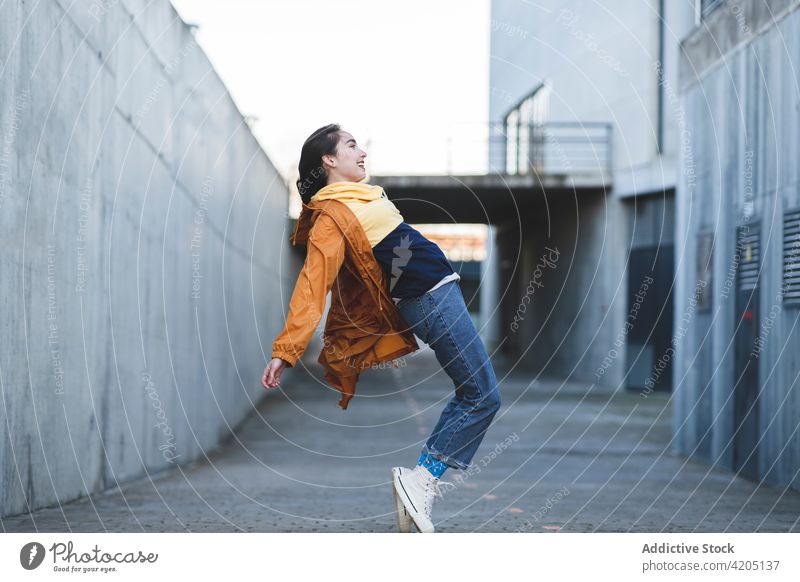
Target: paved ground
[{"x": 556, "y": 458}]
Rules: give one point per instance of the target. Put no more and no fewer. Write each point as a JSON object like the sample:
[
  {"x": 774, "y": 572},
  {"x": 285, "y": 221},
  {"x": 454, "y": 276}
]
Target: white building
[{"x": 580, "y": 90}]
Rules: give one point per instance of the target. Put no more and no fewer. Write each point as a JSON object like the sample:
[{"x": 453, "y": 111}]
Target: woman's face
[{"x": 348, "y": 164}]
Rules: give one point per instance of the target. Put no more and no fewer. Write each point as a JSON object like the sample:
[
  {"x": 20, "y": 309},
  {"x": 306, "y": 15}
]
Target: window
[
  {"x": 748, "y": 247},
  {"x": 523, "y": 125},
  {"x": 791, "y": 257}
]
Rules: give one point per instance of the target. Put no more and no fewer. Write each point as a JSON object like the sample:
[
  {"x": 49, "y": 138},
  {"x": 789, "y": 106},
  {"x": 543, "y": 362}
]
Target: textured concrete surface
[
  {"x": 144, "y": 237},
  {"x": 556, "y": 458},
  {"x": 739, "y": 169},
  {"x": 725, "y": 31}
]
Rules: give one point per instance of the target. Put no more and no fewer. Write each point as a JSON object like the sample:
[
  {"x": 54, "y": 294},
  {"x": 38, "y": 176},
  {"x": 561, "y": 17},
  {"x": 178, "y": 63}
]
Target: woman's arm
[{"x": 324, "y": 258}]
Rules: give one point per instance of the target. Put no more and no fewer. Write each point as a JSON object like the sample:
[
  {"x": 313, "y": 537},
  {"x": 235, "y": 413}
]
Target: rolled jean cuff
[{"x": 446, "y": 459}]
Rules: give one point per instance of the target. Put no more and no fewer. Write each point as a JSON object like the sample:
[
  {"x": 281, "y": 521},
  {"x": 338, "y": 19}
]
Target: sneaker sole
[
  {"x": 404, "y": 520},
  {"x": 422, "y": 523}
]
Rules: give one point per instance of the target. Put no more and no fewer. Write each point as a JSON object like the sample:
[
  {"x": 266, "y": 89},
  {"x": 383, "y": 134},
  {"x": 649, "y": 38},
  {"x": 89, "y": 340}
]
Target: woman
[{"x": 423, "y": 287}]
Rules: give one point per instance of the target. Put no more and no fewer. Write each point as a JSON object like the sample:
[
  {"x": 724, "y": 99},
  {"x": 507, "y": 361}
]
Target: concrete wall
[
  {"x": 599, "y": 60},
  {"x": 565, "y": 288},
  {"x": 144, "y": 234},
  {"x": 741, "y": 100}
]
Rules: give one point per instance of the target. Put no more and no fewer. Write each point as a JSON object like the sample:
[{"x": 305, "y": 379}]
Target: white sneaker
[
  {"x": 416, "y": 489},
  {"x": 403, "y": 518}
]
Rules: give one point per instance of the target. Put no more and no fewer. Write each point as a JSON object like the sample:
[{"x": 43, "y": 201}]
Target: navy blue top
[{"x": 412, "y": 263}]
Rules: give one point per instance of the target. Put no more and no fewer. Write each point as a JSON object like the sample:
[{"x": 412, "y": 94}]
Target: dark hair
[{"x": 312, "y": 173}]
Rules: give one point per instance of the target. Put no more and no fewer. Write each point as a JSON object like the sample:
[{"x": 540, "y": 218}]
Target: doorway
[{"x": 746, "y": 387}]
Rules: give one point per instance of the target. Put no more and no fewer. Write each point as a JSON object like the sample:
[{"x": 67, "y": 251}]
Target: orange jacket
[{"x": 364, "y": 328}]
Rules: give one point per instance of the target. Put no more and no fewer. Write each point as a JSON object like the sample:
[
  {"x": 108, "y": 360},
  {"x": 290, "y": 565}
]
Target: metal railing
[{"x": 553, "y": 147}]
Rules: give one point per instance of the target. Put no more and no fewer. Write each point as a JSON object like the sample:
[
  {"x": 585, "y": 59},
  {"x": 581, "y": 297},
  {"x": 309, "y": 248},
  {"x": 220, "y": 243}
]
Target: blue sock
[{"x": 435, "y": 466}]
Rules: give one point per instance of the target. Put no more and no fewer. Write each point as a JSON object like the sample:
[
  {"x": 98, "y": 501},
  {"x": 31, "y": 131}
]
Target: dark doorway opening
[
  {"x": 746, "y": 425},
  {"x": 651, "y": 274}
]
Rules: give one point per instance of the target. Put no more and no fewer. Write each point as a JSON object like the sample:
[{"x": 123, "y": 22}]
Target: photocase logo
[{"x": 31, "y": 555}]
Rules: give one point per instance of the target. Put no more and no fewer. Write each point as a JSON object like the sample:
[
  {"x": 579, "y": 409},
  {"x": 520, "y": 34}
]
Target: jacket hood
[{"x": 348, "y": 192}]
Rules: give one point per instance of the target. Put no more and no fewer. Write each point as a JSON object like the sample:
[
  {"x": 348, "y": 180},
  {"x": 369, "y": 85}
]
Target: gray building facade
[
  {"x": 582, "y": 90},
  {"x": 737, "y": 301}
]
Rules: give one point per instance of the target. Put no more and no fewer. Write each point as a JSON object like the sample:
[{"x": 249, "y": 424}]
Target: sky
[{"x": 409, "y": 80}]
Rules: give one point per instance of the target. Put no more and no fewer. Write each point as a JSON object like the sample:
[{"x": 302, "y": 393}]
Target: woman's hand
[{"x": 272, "y": 373}]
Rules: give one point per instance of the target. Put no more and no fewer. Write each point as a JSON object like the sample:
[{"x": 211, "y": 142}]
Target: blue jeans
[{"x": 441, "y": 320}]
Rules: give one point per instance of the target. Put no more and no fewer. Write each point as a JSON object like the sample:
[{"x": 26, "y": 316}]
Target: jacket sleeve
[{"x": 324, "y": 257}]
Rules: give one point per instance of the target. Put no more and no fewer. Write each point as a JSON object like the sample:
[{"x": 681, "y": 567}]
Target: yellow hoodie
[{"x": 376, "y": 213}]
